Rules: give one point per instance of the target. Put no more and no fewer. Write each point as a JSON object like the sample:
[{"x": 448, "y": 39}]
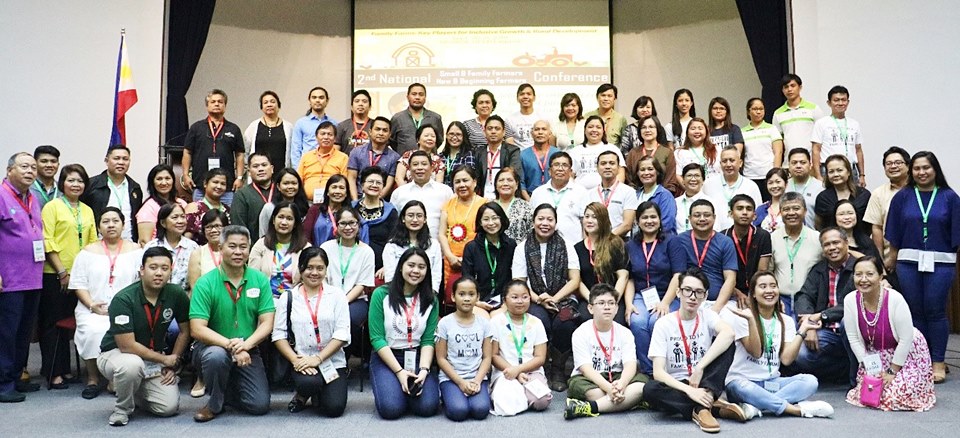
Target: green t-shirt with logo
[
  {"x": 128, "y": 314},
  {"x": 213, "y": 301}
]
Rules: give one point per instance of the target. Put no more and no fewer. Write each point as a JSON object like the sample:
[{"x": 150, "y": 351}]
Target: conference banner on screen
[{"x": 455, "y": 62}]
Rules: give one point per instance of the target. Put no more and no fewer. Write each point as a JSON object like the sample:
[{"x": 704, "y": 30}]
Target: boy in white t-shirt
[
  {"x": 691, "y": 352},
  {"x": 605, "y": 377}
]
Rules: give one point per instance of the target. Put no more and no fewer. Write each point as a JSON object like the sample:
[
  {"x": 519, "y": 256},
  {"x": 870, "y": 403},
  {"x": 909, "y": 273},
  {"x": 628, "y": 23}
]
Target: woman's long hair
[
  {"x": 401, "y": 235},
  {"x": 675, "y": 125},
  {"x": 424, "y": 291},
  {"x": 755, "y": 308},
  {"x": 297, "y": 238},
  {"x": 608, "y": 246}
]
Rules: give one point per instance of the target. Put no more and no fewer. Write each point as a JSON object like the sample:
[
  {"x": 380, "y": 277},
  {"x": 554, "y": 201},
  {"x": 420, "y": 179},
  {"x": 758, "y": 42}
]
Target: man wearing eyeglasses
[
  {"x": 795, "y": 248},
  {"x": 895, "y": 162},
  {"x": 565, "y": 195}
]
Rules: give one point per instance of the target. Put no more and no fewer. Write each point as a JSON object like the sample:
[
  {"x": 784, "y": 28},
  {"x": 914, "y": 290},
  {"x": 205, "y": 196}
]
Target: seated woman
[
  {"x": 463, "y": 355},
  {"x": 839, "y": 185},
  {"x": 754, "y": 378},
  {"x": 859, "y": 242},
  {"x": 427, "y": 141},
  {"x": 319, "y": 225},
  {"x": 489, "y": 256},
  {"x": 517, "y": 209},
  {"x": 652, "y": 266},
  {"x": 457, "y": 221},
  {"x": 882, "y": 337},
  {"x": 413, "y": 231},
  {"x": 310, "y": 329},
  {"x": 519, "y": 351},
  {"x": 689, "y": 374},
  {"x": 768, "y": 213},
  {"x": 290, "y": 188},
  {"x": 650, "y": 176},
  {"x": 602, "y": 258},
  {"x": 214, "y": 186},
  {"x": 403, "y": 322},
  {"x": 100, "y": 271},
  {"x": 551, "y": 267},
  {"x": 351, "y": 269},
  {"x": 171, "y": 224},
  {"x": 378, "y": 218},
  {"x": 160, "y": 191}
]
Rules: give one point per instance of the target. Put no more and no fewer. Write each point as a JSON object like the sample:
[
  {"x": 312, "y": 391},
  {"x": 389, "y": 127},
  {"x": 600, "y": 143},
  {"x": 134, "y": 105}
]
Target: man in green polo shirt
[
  {"x": 230, "y": 314},
  {"x": 132, "y": 350}
]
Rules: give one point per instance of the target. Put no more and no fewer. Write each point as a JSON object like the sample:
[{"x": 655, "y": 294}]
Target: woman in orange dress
[{"x": 458, "y": 223}]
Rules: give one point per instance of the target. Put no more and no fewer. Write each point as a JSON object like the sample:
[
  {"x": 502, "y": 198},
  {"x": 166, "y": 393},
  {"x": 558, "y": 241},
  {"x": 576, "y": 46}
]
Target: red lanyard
[
  {"x": 28, "y": 207},
  {"x": 606, "y": 199},
  {"x": 696, "y": 252},
  {"x": 686, "y": 345},
  {"x": 372, "y": 161},
  {"x": 313, "y": 313},
  {"x": 607, "y": 354},
  {"x": 358, "y": 132},
  {"x": 409, "y": 311},
  {"x": 152, "y": 319},
  {"x": 333, "y": 222},
  {"x": 229, "y": 286},
  {"x": 267, "y": 199},
  {"x": 736, "y": 243},
  {"x": 112, "y": 259},
  {"x": 492, "y": 158},
  {"x": 216, "y": 257},
  {"x": 542, "y": 164},
  {"x": 215, "y": 132},
  {"x": 648, "y": 256}
]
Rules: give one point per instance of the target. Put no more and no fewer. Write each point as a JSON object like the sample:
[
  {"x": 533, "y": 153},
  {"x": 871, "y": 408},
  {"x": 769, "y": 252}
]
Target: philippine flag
[{"x": 125, "y": 96}]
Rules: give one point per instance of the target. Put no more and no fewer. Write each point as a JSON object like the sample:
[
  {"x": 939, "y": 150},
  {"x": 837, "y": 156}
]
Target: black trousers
[
  {"x": 54, "y": 306},
  {"x": 672, "y": 401},
  {"x": 329, "y": 399}
]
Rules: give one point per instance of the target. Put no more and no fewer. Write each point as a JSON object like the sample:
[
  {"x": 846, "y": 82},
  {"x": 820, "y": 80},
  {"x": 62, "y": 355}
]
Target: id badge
[
  {"x": 328, "y": 371},
  {"x": 38, "y": 254},
  {"x": 771, "y": 386},
  {"x": 317, "y": 196},
  {"x": 151, "y": 369},
  {"x": 410, "y": 361},
  {"x": 872, "y": 364},
  {"x": 650, "y": 297},
  {"x": 213, "y": 163},
  {"x": 537, "y": 388},
  {"x": 925, "y": 263}
]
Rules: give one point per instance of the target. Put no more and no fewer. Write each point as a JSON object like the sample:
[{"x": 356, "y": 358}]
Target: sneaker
[
  {"x": 576, "y": 408},
  {"x": 118, "y": 419},
  {"x": 817, "y": 408},
  {"x": 704, "y": 419},
  {"x": 729, "y": 411},
  {"x": 750, "y": 411}
]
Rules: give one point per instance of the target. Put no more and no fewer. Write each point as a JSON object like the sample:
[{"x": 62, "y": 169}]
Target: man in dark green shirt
[
  {"x": 230, "y": 314},
  {"x": 133, "y": 348},
  {"x": 251, "y": 198}
]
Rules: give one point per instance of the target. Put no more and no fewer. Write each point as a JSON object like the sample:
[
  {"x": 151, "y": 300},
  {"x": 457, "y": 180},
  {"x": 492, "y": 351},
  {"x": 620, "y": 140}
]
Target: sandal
[
  {"x": 296, "y": 404},
  {"x": 90, "y": 391},
  {"x": 939, "y": 372}
]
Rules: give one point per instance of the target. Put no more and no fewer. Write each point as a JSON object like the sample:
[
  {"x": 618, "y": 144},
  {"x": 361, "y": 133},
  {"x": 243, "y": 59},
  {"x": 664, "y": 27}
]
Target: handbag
[
  {"x": 870, "y": 391},
  {"x": 568, "y": 310}
]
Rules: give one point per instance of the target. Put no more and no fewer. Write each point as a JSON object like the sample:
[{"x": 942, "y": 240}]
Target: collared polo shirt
[
  {"x": 128, "y": 314},
  {"x": 212, "y": 302}
]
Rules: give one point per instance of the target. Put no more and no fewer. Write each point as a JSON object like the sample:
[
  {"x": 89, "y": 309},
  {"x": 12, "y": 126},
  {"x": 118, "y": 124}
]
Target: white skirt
[{"x": 90, "y": 330}]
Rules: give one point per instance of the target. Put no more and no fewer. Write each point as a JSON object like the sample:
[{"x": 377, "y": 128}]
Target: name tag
[
  {"x": 317, "y": 196},
  {"x": 925, "y": 263},
  {"x": 872, "y": 364},
  {"x": 650, "y": 297},
  {"x": 410, "y": 361},
  {"x": 151, "y": 369},
  {"x": 213, "y": 163},
  {"x": 39, "y": 256},
  {"x": 328, "y": 371},
  {"x": 537, "y": 388},
  {"x": 253, "y": 293}
]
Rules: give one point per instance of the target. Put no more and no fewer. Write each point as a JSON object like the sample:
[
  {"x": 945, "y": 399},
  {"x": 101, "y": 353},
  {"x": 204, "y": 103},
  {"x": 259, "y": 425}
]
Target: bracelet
[{"x": 398, "y": 371}]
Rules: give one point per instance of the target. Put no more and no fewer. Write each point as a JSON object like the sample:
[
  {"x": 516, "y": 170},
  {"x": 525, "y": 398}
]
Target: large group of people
[{"x": 696, "y": 267}]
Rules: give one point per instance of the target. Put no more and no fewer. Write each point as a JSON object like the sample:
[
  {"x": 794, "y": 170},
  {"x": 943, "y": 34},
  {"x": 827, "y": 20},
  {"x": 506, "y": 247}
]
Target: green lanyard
[
  {"x": 792, "y": 252},
  {"x": 556, "y": 200},
  {"x": 210, "y": 206},
  {"x": 344, "y": 267},
  {"x": 518, "y": 342},
  {"x": 731, "y": 191},
  {"x": 768, "y": 336},
  {"x": 925, "y": 212},
  {"x": 43, "y": 191},
  {"x": 115, "y": 189},
  {"x": 492, "y": 262},
  {"x": 76, "y": 218},
  {"x": 843, "y": 134},
  {"x": 416, "y": 122}
]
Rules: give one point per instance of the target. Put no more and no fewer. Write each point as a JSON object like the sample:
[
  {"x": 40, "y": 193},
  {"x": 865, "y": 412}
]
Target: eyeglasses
[
  {"x": 212, "y": 227},
  {"x": 896, "y": 163},
  {"x": 559, "y": 166},
  {"x": 348, "y": 224},
  {"x": 373, "y": 182},
  {"x": 688, "y": 292},
  {"x": 605, "y": 303}
]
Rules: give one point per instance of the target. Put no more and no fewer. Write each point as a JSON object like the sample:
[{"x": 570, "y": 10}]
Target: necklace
[
  {"x": 863, "y": 311},
  {"x": 270, "y": 127},
  {"x": 370, "y": 213}
]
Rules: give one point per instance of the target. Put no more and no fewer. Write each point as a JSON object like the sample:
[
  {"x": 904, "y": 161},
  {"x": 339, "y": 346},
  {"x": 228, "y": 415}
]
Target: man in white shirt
[
  {"x": 802, "y": 182},
  {"x": 564, "y": 194},
  {"x": 730, "y": 183},
  {"x": 424, "y": 189},
  {"x": 523, "y": 120},
  {"x": 835, "y": 134},
  {"x": 693, "y": 175},
  {"x": 620, "y": 199},
  {"x": 796, "y": 117}
]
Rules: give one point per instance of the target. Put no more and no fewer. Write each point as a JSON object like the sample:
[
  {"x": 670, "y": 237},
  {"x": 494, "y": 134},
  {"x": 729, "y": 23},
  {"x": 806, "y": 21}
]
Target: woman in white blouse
[
  {"x": 171, "y": 224},
  {"x": 100, "y": 271},
  {"x": 310, "y": 329}
]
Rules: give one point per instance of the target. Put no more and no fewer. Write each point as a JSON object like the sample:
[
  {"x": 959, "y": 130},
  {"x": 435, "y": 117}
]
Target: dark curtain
[
  {"x": 186, "y": 36},
  {"x": 765, "y": 25}
]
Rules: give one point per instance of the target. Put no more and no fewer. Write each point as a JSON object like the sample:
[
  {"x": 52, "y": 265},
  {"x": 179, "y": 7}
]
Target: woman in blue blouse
[
  {"x": 923, "y": 228},
  {"x": 651, "y": 175},
  {"x": 652, "y": 267}
]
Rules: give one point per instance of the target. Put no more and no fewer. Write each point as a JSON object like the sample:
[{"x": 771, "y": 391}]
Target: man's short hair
[
  {"x": 210, "y": 94},
  {"x": 742, "y": 198},
  {"x": 415, "y": 85},
  {"x": 701, "y": 203},
  {"x": 231, "y": 230},
  {"x": 13, "y": 159},
  {"x": 361, "y": 93},
  {"x": 823, "y": 232},
  {"x": 382, "y": 119},
  {"x": 790, "y": 77},
  {"x": 324, "y": 125},
  {"x": 793, "y": 197},
  {"x": 801, "y": 151},
  {"x": 608, "y": 152},
  {"x": 890, "y": 151},
  {"x": 257, "y": 154},
  {"x": 156, "y": 251},
  {"x": 560, "y": 155},
  {"x": 117, "y": 147},
  {"x": 606, "y": 87},
  {"x": 45, "y": 150},
  {"x": 494, "y": 118},
  {"x": 600, "y": 289},
  {"x": 837, "y": 89},
  {"x": 524, "y": 86}
]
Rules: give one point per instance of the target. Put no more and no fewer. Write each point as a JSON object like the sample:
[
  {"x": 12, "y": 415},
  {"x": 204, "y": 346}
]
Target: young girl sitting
[{"x": 463, "y": 355}]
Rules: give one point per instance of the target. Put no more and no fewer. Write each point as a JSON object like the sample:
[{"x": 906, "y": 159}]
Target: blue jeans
[
  {"x": 792, "y": 390},
  {"x": 226, "y": 199},
  {"x": 641, "y": 324},
  {"x": 388, "y": 395},
  {"x": 834, "y": 360},
  {"x": 926, "y": 293},
  {"x": 787, "y": 305},
  {"x": 458, "y": 406}
]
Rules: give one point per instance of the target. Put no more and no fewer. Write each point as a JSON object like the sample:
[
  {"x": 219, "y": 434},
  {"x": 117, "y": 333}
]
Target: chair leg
[
  {"x": 56, "y": 351},
  {"x": 363, "y": 335},
  {"x": 76, "y": 355}
]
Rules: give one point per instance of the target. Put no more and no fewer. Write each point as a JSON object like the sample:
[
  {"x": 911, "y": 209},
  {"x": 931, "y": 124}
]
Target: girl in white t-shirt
[
  {"x": 463, "y": 355},
  {"x": 754, "y": 378},
  {"x": 519, "y": 351}
]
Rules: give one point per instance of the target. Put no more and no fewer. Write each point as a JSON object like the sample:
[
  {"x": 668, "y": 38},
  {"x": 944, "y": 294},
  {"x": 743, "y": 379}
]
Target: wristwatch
[{"x": 890, "y": 371}]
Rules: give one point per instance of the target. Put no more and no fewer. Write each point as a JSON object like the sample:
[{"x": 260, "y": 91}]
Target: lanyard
[
  {"x": 235, "y": 298},
  {"x": 450, "y": 161},
  {"x": 843, "y": 133},
  {"x": 152, "y": 320},
  {"x": 416, "y": 123},
  {"x": 542, "y": 164},
  {"x": 606, "y": 199},
  {"x": 76, "y": 218},
  {"x": 728, "y": 191},
  {"x": 215, "y": 256},
  {"x": 925, "y": 212},
  {"x": 556, "y": 199},
  {"x": 696, "y": 252},
  {"x": 211, "y": 207},
  {"x": 492, "y": 158},
  {"x": 700, "y": 157},
  {"x": 266, "y": 199},
  {"x": 792, "y": 252},
  {"x": 745, "y": 254},
  {"x": 112, "y": 259},
  {"x": 115, "y": 190},
  {"x": 518, "y": 341},
  {"x": 492, "y": 262},
  {"x": 686, "y": 345},
  {"x": 648, "y": 256},
  {"x": 371, "y": 155},
  {"x": 314, "y": 311},
  {"x": 333, "y": 222},
  {"x": 321, "y": 161},
  {"x": 768, "y": 337},
  {"x": 358, "y": 132},
  {"x": 802, "y": 191},
  {"x": 607, "y": 354},
  {"x": 345, "y": 267},
  {"x": 409, "y": 311},
  {"x": 43, "y": 191},
  {"x": 215, "y": 132}
]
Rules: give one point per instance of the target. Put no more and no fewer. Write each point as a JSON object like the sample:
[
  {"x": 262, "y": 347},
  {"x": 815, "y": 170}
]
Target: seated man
[
  {"x": 231, "y": 313},
  {"x": 605, "y": 377},
  {"x": 132, "y": 350},
  {"x": 826, "y": 352}
]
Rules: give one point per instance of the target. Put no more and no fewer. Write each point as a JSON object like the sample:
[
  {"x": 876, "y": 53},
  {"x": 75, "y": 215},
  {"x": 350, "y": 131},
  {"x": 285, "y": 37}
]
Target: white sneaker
[
  {"x": 118, "y": 419},
  {"x": 816, "y": 408},
  {"x": 750, "y": 411}
]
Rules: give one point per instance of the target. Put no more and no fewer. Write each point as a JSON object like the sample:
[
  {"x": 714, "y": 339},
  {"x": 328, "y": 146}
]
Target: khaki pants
[{"x": 126, "y": 372}]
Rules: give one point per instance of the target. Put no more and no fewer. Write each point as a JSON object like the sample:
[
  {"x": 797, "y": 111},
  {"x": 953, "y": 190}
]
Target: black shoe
[
  {"x": 296, "y": 404},
  {"x": 12, "y": 397},
  {"x": 90, "y": 392},
  {"x": 22, "y": 386},
  {"x": 61, "y": 385}
]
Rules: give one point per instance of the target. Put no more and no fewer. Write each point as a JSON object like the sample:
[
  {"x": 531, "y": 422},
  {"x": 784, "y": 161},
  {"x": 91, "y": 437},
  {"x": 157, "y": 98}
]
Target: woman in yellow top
[
  {"x": 458, "y": 224},
  {"x": 68, "y": 226}
]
